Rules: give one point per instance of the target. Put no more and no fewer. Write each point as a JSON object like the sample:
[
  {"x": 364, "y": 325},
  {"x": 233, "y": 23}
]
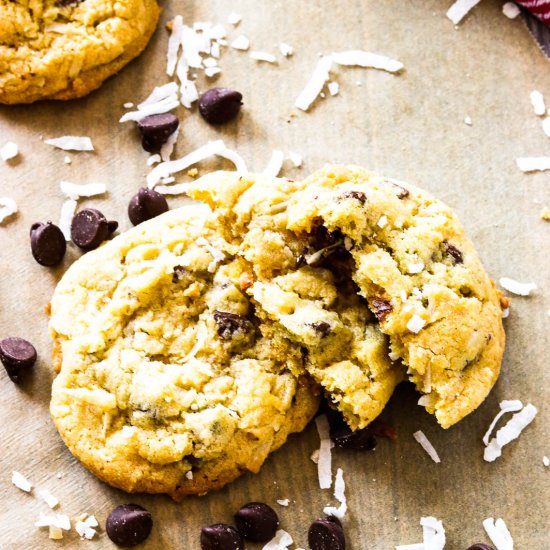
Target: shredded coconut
[
  {"x": 339, "y": 493},
  {"x": 189, "y": 475},
  {"x": 67, "y": 159},
  {"x": 510, "y": 10},
  {"x": 505, "y": 407},
  {"x": 426, "y": 445},
  {"x": 202, "y": 334},
  {"x": 416, "y": 324},
  {"x": 263, "y": 56},
  {"x": 217, "y": 255},
  {"x": 275, "y": 163},
  {"x": 162, "y": 106},
  {"x": 75, "y": 191},
  {"x": 167, "y": 148},
  {"x": 21, "y": 482},
  {"x": 295, "y": 158},
  {"x": 515, "y": 287},
  {"x": 468, "y": 120},
  {"x": 128, "y": 105},
  {"x": 537, "y": 100},
  {"x": 460, "y": 9},
  {"x": 7, "y": 208},
  {"x": 433, "y": 535},
  {"x": 498, "y": 533},
  {"x": 61, "y": 521},
  {"x": 48, "y": 498},
  {"x": 324, "y": 464},
  {"x": 546, "y": 461},
  {"x": 333, "y": 88},
  {"x": 313, "y": 88},
  {"x": 174, "y": 43},
  {"x": 68, "y": 208},
  {"x": 9, "y": 151},
  {"x": 85, "y": 527},
  {"x": 546, "y": 126},
  {"x": 281, "y": 541},
  {"x": 160, "y": 93},
  {"x": 360, "y": 58},
  {"x": 153, "y": 159},
  {"x": 241, "y": 43},
  {"x": 178, "y": 189},
  {"x": 509, "y": 432},
  {"x": 234, "y": 18},
  {"x": 283, "y": 501},
  {"x": 382, "y": 222},
  {"x": 532, "y": 164},
  {"x": 286, "y": 49},
  {"x": 71, "y": 143},
  {"x": 416, "y": 268},
  {"x": 212, "y": 71}
]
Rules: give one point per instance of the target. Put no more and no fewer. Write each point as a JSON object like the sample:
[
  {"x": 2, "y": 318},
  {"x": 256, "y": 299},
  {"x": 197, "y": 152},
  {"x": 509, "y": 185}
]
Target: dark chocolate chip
[
  {"x": 453, "y": 251},
  {"x": 17, "y": 356},
  {"x": 221, "y": 537},
  {"x": 480, "y": 546},
  {"x": 129, "y": 524},
  {"x": 381, "y": 308},
  {"x": 357, "y": 195},
  {"x": 326, "y": 534},
  {"x": 156, "y": 129},
  {"x": 90, "y": 228},
  {"x": 401, "y": 191},
  {"x": 48, "y": 244},
  {"x": 322, "y": 327},
  {"x": 146, "y": 204},
  {"x": 219, "y": 105},
  {"x": 257, "y": 522},
  {"x": 343, "y": 436},
  {"x": 229, "y": 324}
]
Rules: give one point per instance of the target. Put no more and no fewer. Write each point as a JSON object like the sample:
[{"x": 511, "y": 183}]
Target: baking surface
[{"x": 408, "y": 126}]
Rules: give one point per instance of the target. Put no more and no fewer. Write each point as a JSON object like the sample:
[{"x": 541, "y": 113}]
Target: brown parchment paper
[{"x": 409, "y": 126}]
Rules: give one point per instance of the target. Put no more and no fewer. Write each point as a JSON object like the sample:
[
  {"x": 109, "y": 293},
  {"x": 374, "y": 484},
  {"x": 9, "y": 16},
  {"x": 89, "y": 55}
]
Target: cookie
[
  {"x": 169, "y": 382},
  {"x": 314, "y": 301},
  {"x": 64, "y": 49},
  {"x": 402, "y": 254}
]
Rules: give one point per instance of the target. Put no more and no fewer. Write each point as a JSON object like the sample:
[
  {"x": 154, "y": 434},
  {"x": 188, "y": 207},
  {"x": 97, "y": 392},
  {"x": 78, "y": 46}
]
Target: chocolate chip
[
  {"x": 357, "y": 195},
  {"x": 381, "y": 308},
  {"x": 326, "y": 534},
  {"x": 401, "y": 191},
  {"x": 129, "y": 524},
  {"x": 156, "y": 129},
  {"x": 257, "y": 522},
  {"x": 219, "y": 105},
  {"x": 221, "y": 537},
  {"x": 48, "y": 243},
  {"x": 146, "y": 204},
  {"x": 229, "y": 324},
  {"x": 343, "y": 436},
  {"x": 90, "y": 228},
  {"x": 17, "y": 356},
  {"x": 454, "y": 252},
  {"x": 322, "y": 327},
  {"x": 480, "y": 546}
]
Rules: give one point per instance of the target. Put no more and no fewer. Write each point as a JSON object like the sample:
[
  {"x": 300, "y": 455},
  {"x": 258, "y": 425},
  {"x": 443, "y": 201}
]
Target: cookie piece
[
  {"x": 168, "y": 381},
  {"x": 312, "y": 299},
  {"x": 63, "y": 50}
]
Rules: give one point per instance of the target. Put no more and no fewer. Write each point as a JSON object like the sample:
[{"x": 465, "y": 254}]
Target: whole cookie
[
  {"x": 60, "y": 49},
  {"x": 303, "y": 282},
  {"x": 169, "y": 382},
  {"x": 386, "y": 247}
]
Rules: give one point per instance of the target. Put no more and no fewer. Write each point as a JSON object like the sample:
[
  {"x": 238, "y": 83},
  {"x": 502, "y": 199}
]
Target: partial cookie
[
  {"x": 311, "y": 296},
  {"x": 59, "y": 49},
  {"x": 168, "y": 380}
]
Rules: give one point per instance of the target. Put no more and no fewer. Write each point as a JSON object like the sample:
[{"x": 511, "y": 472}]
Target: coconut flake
[
  {"x": 468, "y": 120},
  {"x": 426, "y": 445},
  {"x": 498, "y": 533},
  {"x": 21, "y": 482},
  {"x": 459, "y": 10},
  {"x": 217, "y": 255},
  {"x": 67, "y": 159},
  {"x": 174, "y": 43},
  {"x": 167, "y": 148},
  {"x": 75, "y": 191},
  {"x": 153, "y": 159},
  {"x": 509, "y": 432},
  {"x": 313, "y": 88},
  {"x": 333, "y": 88},
  {"x": 275, "y": 164},
  {"x": 324, "y": 464},
  {"x": 212, "y": 71},
  {"x": 546, "y": 126},
  {"x": 537, "y": 101},
  {"x": 510, "y": 10},
  {"x": 416, "y": 268},
  {"x": 85, "y": 527},
  {"x": 241, "y": 43},
  {"x": 263, "y": 56},
  {"x": 531, "y": 164},
  {"x": 295, "y": 158},
  {"x": 281, "y": 541},
  {"x": 286, "y": 49},
  {"x": 179, "y": 189},
  {"x": 68, "y": 208},
  {"x": 416, "y": 324},
  {"x": 234, "y": 18},
  {"x": 215, "y": 50},
  {"x": 128, "y": 431},
  {"x": 546, "y": 461},
  {"x": 202, "y": 334},
  {"x": 433, "y": 533},
  {"x": 515, "y": 287},
  {"x": 381, "y": 223},
  {"x": 9, "y": 151},
  {"x": 162, "y": 106},
  {"x": 160, "y": 93},
  {"x": 283, "y": 501},
  {"x": 505, "y": 407},
  {"x": 128, "y": 105},
  {"x": 189, "y": 475},
  {"x": 339, "y": 493},
  {"x": 7, "y": 208},
  {"x": 361, "y": 58},
  {"x": 417, "y": 546},
  {"x": 48, "y": 498},
  {"x": 188, "y": 93},
  {"x": 71, "y": 143}
]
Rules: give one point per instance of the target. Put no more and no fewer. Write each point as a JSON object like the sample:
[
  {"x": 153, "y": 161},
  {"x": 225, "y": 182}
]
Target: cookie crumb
[
  {"x": 545, "y": 214},
  {"x": 193, "y": 173},
  {"x": 505, "y": 406}
]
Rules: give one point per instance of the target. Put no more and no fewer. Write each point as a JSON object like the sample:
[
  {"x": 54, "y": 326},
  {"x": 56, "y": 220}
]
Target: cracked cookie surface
[
  {"x": 168, "y": 380},
  {"x": 58, "y": 49}
]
